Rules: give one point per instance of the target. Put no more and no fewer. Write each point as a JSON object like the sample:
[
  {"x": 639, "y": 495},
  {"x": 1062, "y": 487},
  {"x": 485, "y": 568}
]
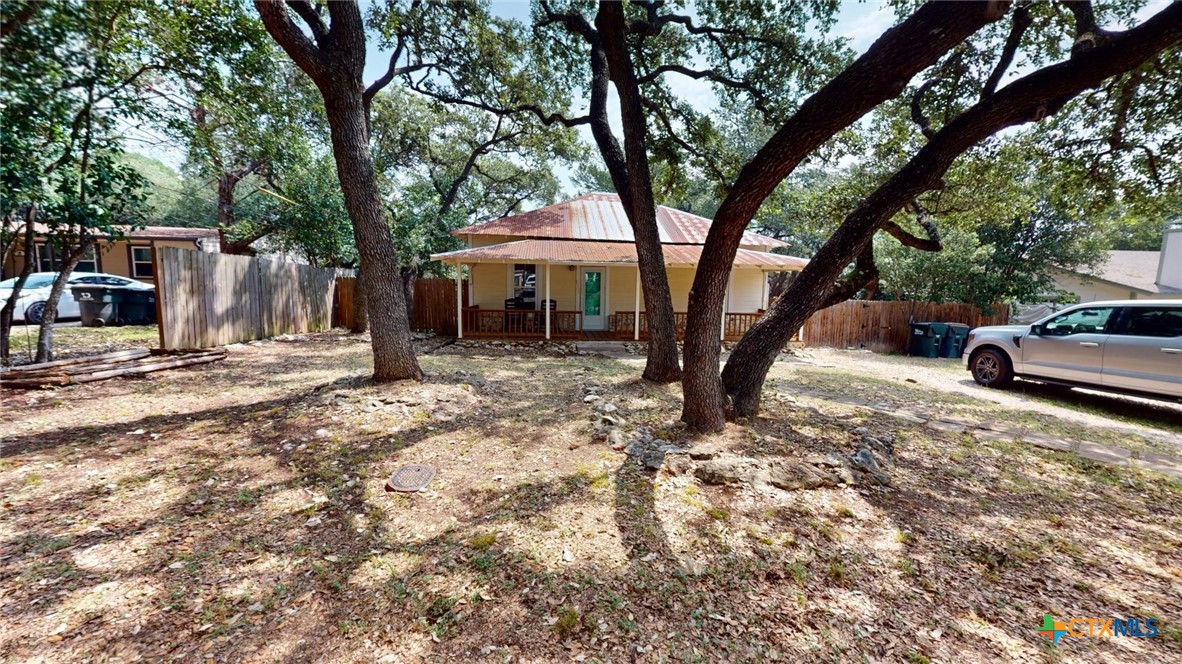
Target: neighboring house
[
  {"x": 1130, "y": 275},
  {"x": 129, "y": 256},
  {"x": 580, "y": 256}
]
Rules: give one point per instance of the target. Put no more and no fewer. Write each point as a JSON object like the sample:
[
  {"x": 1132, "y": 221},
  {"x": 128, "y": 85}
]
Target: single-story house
[
  {"x": 128, "y": 256},
  {"x": 1130, "y": 275},
  {"x": 580, "y": 257}
]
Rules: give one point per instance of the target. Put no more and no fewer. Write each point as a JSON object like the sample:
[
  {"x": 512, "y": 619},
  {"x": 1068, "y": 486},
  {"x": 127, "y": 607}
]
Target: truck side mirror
[{"x": 1036, "y": 330}]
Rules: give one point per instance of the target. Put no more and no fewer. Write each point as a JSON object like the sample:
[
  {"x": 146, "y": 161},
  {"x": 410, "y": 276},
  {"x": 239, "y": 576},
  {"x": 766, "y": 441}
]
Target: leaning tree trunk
[
  {"x": 9, "y": 309},
  {"x": 879, "y": 74},
  {"x": 1031, "y": 98},
  {"x": 49, "y": 314},
  {"x": 360, "y": 311},
  {"x": 742, "y": 377},
  {"x": 393, "y": 352}
]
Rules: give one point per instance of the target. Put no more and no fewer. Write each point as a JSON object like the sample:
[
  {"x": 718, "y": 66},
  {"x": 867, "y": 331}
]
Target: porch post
[
  {"x": 547, "y": 302},
  {"x": 763, "y": 291},
  {"x": 636, "y": 316},
  {"x": 459, "y": 300}
]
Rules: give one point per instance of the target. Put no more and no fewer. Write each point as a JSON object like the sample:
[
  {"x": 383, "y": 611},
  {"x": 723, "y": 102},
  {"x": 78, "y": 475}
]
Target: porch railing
[
  {"x": 479, "y": 322},
  {"x": 622, "y": 323}
]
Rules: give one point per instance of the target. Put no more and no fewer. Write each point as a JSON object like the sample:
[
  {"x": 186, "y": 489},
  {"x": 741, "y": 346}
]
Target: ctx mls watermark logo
[{"x": 1096, "y": 627}]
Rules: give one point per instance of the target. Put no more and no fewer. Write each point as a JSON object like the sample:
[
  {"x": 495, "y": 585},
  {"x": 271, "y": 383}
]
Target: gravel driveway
[{"x": 1158, "y": 421}]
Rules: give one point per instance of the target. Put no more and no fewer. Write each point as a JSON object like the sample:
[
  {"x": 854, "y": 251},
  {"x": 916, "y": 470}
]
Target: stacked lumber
[{"x": 101, "y": 367}]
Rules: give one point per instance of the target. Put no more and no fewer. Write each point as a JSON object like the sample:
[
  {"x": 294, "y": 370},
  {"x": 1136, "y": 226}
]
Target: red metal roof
[
  {"x": 601, "y": 217},
  {"x": 599, "y": 253}
]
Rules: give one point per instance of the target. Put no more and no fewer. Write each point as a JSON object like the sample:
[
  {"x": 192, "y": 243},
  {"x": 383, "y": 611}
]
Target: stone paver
[
  {"x": 1004, "y": 427},
  {"x": 986, "y": 434},
  {"x": 1160, "y": 463},
  {"x": 1047, "y": 442},
  {"x": 950, "y": 427},
  {"x": 1104, "y": 454}
]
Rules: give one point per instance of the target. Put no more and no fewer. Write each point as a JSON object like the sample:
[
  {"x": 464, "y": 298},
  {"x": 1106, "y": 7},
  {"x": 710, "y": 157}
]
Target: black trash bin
[
  {"x": 138, "y": 307},
  {"x": 925, "y": 339},
  {"x": 96, "y": 305},
  {"x": 954, "y": 340}
]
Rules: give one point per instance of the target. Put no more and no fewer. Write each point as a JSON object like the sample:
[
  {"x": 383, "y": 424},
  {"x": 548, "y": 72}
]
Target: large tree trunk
[
  {"x": 335, "y": 61},
  {"x": 878, "y": 75},
  {"x": 393, "y": 352},
  {"x": 49, "y": 315},
  {"x": 226, "y": 215},
  {"x": 9, "y": 309},
  {"x": 360, "y": 311},
  {"x": 633, "y": 180},
  {"x": 662, "y": 365},
  {"x": 1028, "y": 99}
]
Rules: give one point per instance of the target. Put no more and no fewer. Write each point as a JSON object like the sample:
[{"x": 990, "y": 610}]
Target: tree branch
[
  {"x": 694, "y": 74},
  {"x": 311, "y": 16},
  {"x": 917, "y": 115},
  {"x": 906, "y": 239},
  {"x": 545, "y": 118},
  {"x": 1022, "y": 20},
  {"x": 1088, "y": 34},
  {"x": 573, "y": 21},
  {"x": 865, "y": 275},
  {"x": 291, "y": 39},
  {"x": 393, "y": 69},
  {"x": 449, "y": 198}
]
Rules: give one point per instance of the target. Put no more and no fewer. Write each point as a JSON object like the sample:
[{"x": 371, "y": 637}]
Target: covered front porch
[{"x": 545, "y": 289}]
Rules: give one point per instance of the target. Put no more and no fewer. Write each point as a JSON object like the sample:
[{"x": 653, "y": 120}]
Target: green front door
[{"x": 594, "y": 298}]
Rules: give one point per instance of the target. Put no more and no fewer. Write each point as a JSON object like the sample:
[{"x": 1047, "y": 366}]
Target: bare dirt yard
[{"x": 236, "y": 511}]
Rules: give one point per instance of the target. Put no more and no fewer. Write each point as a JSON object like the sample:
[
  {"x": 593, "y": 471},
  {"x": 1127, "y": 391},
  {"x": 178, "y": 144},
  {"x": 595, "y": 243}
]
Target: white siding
[
  {"x": 746, "y": 291},
  {"x": 565, "y": 286},
  {"x": 489, "y": 282},
  {"x": 622, "y": 289}
]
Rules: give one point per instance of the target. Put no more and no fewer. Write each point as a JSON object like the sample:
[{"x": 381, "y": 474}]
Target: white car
[
  {"x": 35, "y": 292},
  {"x": 1127, "y": 346}
]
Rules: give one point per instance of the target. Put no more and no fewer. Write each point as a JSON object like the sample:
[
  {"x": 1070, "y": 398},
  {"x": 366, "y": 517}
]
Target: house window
[
  {"x": 525, "y": 282},
  {"x": 49, "y": 259},
  {"x": 141, "y": 263}
]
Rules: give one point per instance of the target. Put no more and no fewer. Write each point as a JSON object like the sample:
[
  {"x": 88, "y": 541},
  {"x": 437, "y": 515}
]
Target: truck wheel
[
  {"x": 34, "y": 313},
  {"x": 991, "y": 368}
]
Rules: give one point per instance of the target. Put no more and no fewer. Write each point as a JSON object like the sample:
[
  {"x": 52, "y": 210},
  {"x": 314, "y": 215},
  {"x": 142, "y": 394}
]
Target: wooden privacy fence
[
  {"x": 206, "y": 299},
  {"x": 342, "y": 302},
  {"x": 883, "y": 327},
  {"x": 435, "y": 306},
  {"x": 433, "y": 310}
]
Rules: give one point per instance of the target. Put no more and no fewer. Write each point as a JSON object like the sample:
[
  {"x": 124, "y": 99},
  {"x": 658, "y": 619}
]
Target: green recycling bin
[
  {"x": 954, "y": 340},
  {"x": 925, "y": 339}
]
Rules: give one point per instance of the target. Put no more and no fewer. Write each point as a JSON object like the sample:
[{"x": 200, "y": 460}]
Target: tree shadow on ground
[{"x": 778, "y": 572}]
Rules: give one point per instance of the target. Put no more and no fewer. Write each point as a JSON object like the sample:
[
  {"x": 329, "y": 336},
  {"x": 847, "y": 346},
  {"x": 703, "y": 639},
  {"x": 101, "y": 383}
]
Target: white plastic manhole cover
[{"x": 410, "y": 478}]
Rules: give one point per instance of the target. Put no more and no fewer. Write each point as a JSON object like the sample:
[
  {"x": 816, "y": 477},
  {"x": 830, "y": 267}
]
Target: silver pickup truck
[{"x": 1127, "y": 346}]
